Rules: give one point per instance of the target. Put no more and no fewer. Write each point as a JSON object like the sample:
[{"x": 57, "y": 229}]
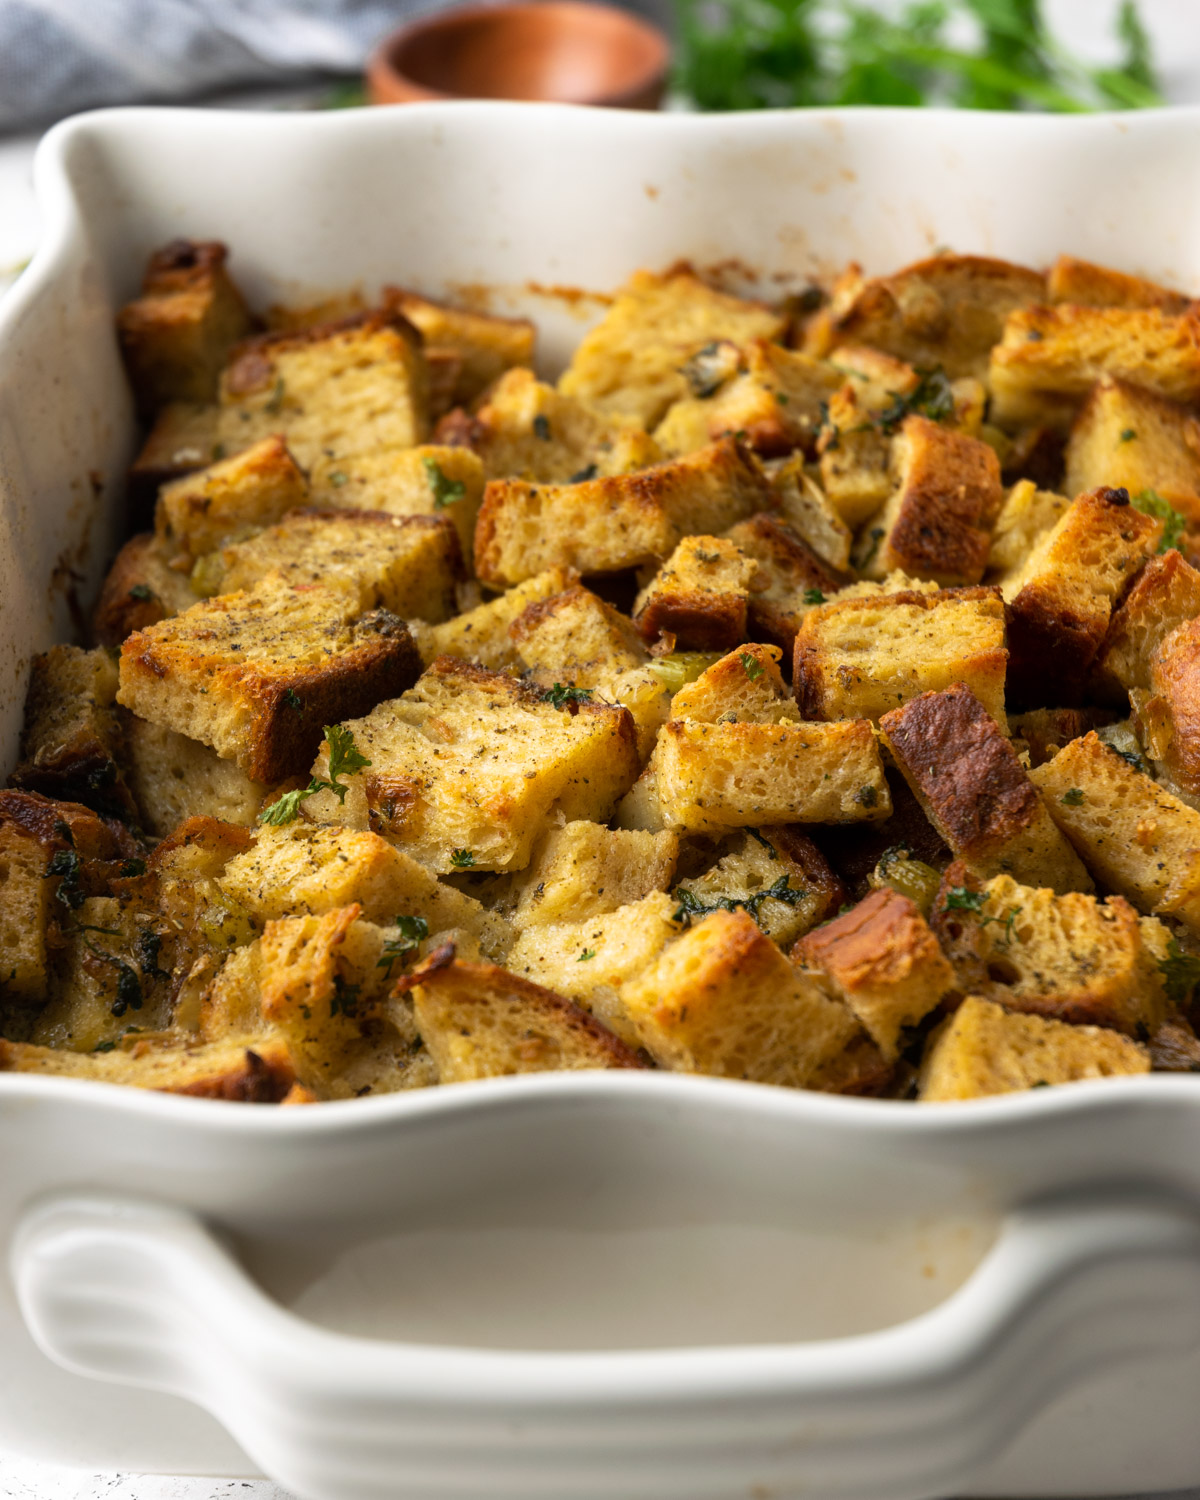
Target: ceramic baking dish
[{"x": 576, "y": 1287}]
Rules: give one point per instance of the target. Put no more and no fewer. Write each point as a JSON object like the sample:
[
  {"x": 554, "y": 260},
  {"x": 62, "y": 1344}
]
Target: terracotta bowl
[{"x": 562, "y": 50}]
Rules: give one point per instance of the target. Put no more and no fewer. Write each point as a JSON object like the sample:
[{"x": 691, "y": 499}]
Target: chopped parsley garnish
[
  {"x": 129, "y": 986},
  {"x": 104, "y": 1047},
  {"x": 691, "y": 907},
  {"x": 750, "y": 665},
  {"x": 765, "y": 842},
  {"x": 559, "y": 696},
  {"x": 344, "y": 1000},
  {"x": 142, "y": 592},
  {"x": 65, "y": 864},
  {"x": 1072, "y": 798},
  {"x": 147, "y": 949},
  {"x": 446, "y": 491},
  {"x": 410, "y": 932},
  {"x": 291, "y": 699},
  {"x": 541, "y": 427},
  {"x": 1151, "y": 503},
  {"x": 1180, "y": 972},
  {"x": 585, "y": 955},
  {"x": 1135, "y": 760},
  {"x": 338, "y": 478},
  {"x": 581, "y": 476},
  {"x": 462, "y": 859},
  {"x": 866, "y": 796},
  {"x": 959, "y": 898},
  {"x": 814, "y": 596},
  {"x": 344, "y": 759},
  {"x": 932, "y": 397},
  {"x": 708, "y": 369},
  {"x": 1129, "y": 435},
  {"x": 782, "y": 397}
]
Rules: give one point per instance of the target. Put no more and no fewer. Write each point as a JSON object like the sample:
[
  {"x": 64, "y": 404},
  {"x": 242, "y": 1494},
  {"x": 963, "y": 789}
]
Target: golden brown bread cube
[
  {"x": 1025, "y": 517},
  {"x": 174, "y": 778},
  {"x": 334, "y": 391},
  {"x": 583, "y": 869},
  {"x": 526, "y": 429},
  {"x": 428, "y": 480},
  {"x": 1129, "y": 438},
  {"x": 778, "y": 874},
  {"x": 975, "y": 791},
  {"x": 1089, "y": 285},
  {"x": 467, "y": 766},
  {"x": 1134, "y": 836},
  {"x": 771, "y": 395},
  {"x": 259, "y": 675},
  {"x": 140, "y": 589},
  {"x": 26, "y": 908},
  {"x": 1060, "y": 601},
  {"x": 858, "y": 658},
  {"x": 176, "y": 336},
  {"x": 1050, "y": 357},
  {"x": 883, "y": 962},
  {"x": 1171, "y": 715},
  {"x": 1045, "y": 731},
  {"x": 712, "y": 777},
  {"x": 630, "y": 362},
  {"x": 698, "y": 596},
  {"x": 744, "y": 686},
  {"x": 406, "y": 564},
  {"x": 723, "y": 1000},
  {"x": 623, "y": 521},
  {"x": 854, "y": 453},
  {"x": 1070, "y": 957},
  {"x": 789, "y": 577},
  {"x": 983, "y": 1049},
  {"x": 72, "y": 745},
  {"x": 1163, "y": 596},
  {"x": 301, "y": 869},
  {"x": 807, "y": 510},
  {"x": 948, "y": 310},
  {"x": 936, "y": 522},
  {"x": 480, "y": 1021},
  {"x": 574, "y": 637},
  {"x": 485, "y": 344},
  {"x": 481, "y": 634},
  {"x": 229, "y": 499},
  {"x": 247, "y": 1070}
]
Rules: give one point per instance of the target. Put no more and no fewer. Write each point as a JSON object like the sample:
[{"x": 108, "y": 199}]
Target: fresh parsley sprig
[{"x": 344, "y": 759}]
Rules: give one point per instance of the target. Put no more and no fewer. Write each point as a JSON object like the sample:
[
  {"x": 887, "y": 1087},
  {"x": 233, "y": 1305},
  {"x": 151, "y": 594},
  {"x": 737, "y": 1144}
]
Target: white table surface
[{"x": 1083, "y": 24}]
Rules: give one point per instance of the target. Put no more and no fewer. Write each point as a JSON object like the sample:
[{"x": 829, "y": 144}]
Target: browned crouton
[
  {"x": 480, "y": 1021},
  {"x": 975, "y": 792},
  {"x": 723, "y": 999},
  {"x": 1060, "y": 601},
  {"x": 486, "y": 345},
  {"x": 176, "y": 335},
  {"x": 1172, "y": 713},
  {"x": 883, "y": 962},
  {"x": 699, "y": 596},
  {"x": 983, "y": 1050},
  {"x": 1128, "y": 438},
  {"x": 229, "y": 499},
  {"x": 1046, "y": 730},
  {"x": 1089, "y": 285},
  {"x": 141, "y": 588},
  {"x": 788, "y": 579},
  {"x": 1163, "y": 596},
  {"x": 247, "y": 1070},
  {"x": 937, "y": 520},
  {"x": 258, "y": 675},
  {"x": 1050, "y": 357},
  {"x": 182, "y": 440},
  {"x": 601, "y": 525},
  {"x": 860, "y": 657}
]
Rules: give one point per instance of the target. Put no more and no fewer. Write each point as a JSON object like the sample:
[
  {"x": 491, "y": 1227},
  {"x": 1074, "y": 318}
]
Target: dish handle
[{"x": 129, "y": 1291}]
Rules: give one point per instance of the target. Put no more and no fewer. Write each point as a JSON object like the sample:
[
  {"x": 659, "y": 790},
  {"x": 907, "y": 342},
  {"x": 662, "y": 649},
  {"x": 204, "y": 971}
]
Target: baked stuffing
[{"x": 813, "y": 704}]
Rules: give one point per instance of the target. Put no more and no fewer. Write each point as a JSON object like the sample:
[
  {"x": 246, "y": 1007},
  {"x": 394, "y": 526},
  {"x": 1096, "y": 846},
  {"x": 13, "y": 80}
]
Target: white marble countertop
[{"x": 1083, "y": 24}]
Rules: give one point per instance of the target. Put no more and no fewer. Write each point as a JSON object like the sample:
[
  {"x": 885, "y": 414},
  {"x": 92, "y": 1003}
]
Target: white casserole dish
[{"x": 575, "y": 1286}]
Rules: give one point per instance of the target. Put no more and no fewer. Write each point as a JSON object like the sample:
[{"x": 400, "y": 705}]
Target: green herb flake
[
  {"x": 814, "y": 596},
  {"x": 1180, "y": 972},
  {"x": 1072, "y": 798},
  {"x": 291, "y": 699},
  {"x": 65, "y": 864},
  {"x": 959, "y": 898},
  {"x": 344, "y": 758},
  {"x": 541, "y": 428},
  {"x": 691, "y": 907},
  {"x": 104, "y": 1047},
  {"x": 562, "y": 697},
  {"x": 132, "y": 867},
  {"x": 142, "y": 592},
  {"x": 446, "y": 491},
  {"x": 876, "y": 534},
  {"x": 752, "y": 667},
  {"x": 274, "y": 404},
  {"x": 585, "y": 955},
  {"x": 338, "y": 478},
  {"x": 932, "y": 397},
  {"x": 1129, "y": 435},
  {"x": 866, "y": 796},
  {"x": 344, "y": 1000},
  {"x": 1151, "y": 503},
  {"x": 772, "y": 852},
  {"x": 410, "y": 932},
  {"x": 147, "y": 949},
  {"x": 462, "y": 859},
  {"x": 286, "y": 809}
]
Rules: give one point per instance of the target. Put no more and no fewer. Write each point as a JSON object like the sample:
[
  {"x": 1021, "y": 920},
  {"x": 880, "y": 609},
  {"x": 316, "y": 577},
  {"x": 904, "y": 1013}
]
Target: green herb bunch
[{"x": 764, "y": 54}]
